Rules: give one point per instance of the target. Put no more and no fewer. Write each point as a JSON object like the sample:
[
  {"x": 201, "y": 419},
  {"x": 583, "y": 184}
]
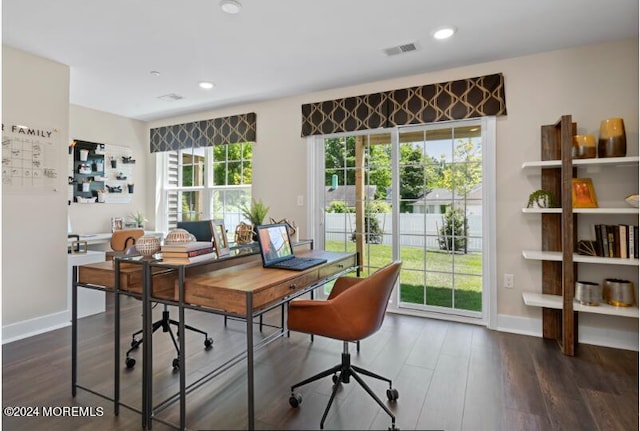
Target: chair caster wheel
[
  {"x": 176, "y": 363},
  {"x": 130, "y": 362},
  {"x": 392, "y": 394},
  {"x": 135, "y": 343},
  {"x": 295, "y": 400},
  {"x": 393, "y": 428},
  {"x": 334, "y": 378},
  {"x": 208, "y": 342}
]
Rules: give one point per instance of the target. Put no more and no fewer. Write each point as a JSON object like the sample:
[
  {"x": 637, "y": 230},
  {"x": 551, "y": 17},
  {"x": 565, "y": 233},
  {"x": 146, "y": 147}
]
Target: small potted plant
[
  {"x": 540, "y": 199},
  {"x": 139, "y": 219},
  {"x": 255, "y": 213}
]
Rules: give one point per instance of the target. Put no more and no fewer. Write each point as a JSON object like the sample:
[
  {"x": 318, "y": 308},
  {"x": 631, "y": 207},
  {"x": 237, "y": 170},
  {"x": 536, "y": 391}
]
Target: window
[
  {"x": 205, "y": 183},
  {"x": 422, "y": 194}
]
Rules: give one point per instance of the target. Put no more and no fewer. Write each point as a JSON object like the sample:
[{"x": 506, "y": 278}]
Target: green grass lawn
[{"x": 429, "y": 278}]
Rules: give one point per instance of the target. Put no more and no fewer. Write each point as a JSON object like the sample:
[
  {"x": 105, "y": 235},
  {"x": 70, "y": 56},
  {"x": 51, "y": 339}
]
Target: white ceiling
[{"x": 276, "y": 48}]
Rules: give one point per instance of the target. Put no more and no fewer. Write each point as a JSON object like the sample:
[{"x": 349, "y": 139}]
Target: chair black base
[
  {"x": 342, "y": 373},
  {"x": 164, "y": 323}
]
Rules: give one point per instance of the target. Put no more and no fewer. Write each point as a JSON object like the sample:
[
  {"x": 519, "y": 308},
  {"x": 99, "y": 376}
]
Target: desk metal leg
[
  {"x": 181, "y": 358},
  {"x": 116, "y": 342},
  {"x": 74, "y": 331},
  {"x": 250, "y": 395},
  {"x": 147, "y": 349}
]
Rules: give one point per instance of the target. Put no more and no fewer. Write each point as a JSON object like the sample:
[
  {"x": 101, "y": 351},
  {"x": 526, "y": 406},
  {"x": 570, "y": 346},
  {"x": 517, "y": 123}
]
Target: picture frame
[
  {"x": 583, "y": 195},
  {"x": 117, "y": 223},
  {"x": 219, "y": 236}
]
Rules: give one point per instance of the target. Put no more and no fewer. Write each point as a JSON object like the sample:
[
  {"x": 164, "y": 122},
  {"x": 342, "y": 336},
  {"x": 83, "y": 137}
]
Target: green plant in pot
[
  {"x": 541, "y": 199},
  {"x": 255, "y": 213}
]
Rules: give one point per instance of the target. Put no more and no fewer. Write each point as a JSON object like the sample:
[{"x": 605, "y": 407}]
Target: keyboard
[{"x": 298, "y": 263}]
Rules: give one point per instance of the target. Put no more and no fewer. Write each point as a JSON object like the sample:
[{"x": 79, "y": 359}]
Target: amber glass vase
[{"x": 612, "y": 141}]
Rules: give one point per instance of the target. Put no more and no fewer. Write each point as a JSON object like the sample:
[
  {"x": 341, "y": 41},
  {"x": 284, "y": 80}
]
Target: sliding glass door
[{"x": 417, "y": 194}]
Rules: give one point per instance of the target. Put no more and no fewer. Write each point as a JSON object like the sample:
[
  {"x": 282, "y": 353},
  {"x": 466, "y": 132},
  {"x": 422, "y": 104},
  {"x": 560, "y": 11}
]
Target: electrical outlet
[{"x": 508, "y": 281}]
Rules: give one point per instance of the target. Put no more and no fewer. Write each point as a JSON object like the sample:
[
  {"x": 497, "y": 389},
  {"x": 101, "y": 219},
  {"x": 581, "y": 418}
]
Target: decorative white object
[
  {"x": 178, "y": 236},
  {"x": 148, "y": 245},
  {"x": 632, "y": 200}
]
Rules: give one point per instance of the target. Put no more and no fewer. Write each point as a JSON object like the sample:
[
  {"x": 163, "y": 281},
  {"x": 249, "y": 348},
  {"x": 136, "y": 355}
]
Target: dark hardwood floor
[{"x": 449, "y": 376}]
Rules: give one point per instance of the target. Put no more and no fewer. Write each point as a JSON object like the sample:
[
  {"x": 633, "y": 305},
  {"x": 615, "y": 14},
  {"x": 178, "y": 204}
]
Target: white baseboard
[
  {"x": 587, "y": 334},
  {"x": 28, "y": 328}
]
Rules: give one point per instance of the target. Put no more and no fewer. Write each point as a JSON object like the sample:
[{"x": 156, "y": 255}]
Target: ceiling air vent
[
  {"x": 172, "y": 97},
  {"x": 400, "y": 49}
]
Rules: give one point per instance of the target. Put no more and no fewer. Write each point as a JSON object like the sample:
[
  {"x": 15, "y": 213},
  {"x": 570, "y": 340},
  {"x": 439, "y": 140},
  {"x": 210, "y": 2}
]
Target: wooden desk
[
  {"x": 238, "y": 286},
  {"x": 227, "y": 289},
  {"x": 248, "y": 290}
]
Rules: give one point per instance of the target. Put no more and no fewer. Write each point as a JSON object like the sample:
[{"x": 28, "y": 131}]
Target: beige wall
[
  {"x": 35, "y": 93},
  {"x": 590, "y": 83},
  {"x": 97, "y": 126}
]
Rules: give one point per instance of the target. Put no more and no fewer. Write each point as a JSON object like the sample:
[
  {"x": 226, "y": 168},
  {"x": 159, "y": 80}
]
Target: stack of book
[
  {"x": 617, "y": 241},
  {"x": 188, "y": 252}
]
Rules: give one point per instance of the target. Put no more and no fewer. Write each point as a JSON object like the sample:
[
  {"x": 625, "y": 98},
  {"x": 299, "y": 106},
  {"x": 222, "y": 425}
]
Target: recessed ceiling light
[
  {"x": 154, "y": 73},
  {"x": 444, "y": 33},
  {"x": 206, "y": 85},
  {"x": 230, "y": 6}
]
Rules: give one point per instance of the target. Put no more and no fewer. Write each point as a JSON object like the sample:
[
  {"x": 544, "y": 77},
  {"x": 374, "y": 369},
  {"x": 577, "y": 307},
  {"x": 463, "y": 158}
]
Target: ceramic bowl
[
  {"x": 178, "y": 236},
  {"x": 632, "y": 200}
]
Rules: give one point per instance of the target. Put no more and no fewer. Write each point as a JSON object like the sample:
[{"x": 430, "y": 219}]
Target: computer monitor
[{"x": 201, "y": 229}]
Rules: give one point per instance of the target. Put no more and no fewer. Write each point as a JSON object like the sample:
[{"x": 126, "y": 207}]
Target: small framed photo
[
  {"x": 117, "y": 223},
  {"x": 583, "y": 194},
  {"x": 219, "y": 237}
]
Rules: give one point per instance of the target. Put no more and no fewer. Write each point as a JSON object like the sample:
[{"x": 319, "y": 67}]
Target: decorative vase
[
  {"x": 84, "y": 154},
  {"x": 584, "y": 147},
  {"x": 612, "y": 141},
  {"x": 148, "y": 245},
  {"x": 114, "y": 164},
  {"x": 178, "y": 236},
  {"x": 619, "y": 293}
]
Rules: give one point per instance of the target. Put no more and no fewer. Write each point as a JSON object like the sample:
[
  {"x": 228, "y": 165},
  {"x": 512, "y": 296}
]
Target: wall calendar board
[{"x": 30, "y": 159}]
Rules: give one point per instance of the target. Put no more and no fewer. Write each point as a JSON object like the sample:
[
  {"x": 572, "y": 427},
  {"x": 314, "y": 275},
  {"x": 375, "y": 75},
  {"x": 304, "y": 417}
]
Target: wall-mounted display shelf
[
  {"x": 610, "y": 161},
  {"x": 105, "y": 170},
  {"x": 88, "y": 170},
  {"x": 556, "y": 256},
  {"x": 559, "y": 231},
  {"x": 535, "y": 299},
  {"x": 582, "y": 210}
]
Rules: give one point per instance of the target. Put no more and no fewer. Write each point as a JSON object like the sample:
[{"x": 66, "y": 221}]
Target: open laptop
[{"x": 276, "y": 250}]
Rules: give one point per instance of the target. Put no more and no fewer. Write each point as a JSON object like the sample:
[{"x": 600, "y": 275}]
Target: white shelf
[
  {"x": 577, "y": 258},
  {"x": 542, "y": 210},
  {"x": 534, "y": 299},
  {"x": 609, "y": 161},
  {"x": 582, "y": 210}
]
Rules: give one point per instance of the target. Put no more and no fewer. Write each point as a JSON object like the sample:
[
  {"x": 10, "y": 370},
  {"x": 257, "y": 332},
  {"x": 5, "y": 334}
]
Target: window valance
[
  {"x": 453, "y": 100},
  {"x": 205, "y": 133}
]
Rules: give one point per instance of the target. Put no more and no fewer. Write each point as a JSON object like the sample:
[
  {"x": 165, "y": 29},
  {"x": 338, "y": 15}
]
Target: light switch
[{"x": 300, "y": 200}]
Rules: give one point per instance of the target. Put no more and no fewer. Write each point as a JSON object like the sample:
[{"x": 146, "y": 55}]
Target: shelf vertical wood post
[
  {"x": 566, "y": 129},
  {"x": 551, "y": 233}
]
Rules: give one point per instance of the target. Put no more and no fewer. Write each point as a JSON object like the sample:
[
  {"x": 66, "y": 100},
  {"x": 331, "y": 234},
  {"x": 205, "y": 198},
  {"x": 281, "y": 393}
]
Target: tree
[
  {"x": 452, "y": 235},
  {"x": 462, "y": 176}
]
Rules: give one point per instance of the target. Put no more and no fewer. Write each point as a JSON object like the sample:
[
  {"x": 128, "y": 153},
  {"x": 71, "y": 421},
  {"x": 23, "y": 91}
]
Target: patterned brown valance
[
  {"x": 454, "y": 100},
  {"x": 206, "y": 133}
]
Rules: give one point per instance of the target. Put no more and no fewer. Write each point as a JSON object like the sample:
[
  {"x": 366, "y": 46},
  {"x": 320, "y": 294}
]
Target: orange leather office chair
[
  {"x": 354, "y": 310},
  {"x": 121, "y": 240}
]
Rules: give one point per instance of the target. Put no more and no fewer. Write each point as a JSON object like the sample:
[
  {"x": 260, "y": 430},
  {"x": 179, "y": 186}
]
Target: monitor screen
[
  {"x": 201, "y": 229},
  {"x": 274, "y": 243}
]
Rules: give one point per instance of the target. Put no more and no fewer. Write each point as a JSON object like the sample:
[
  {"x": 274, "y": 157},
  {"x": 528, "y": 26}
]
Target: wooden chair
[
  {"x": 354, "y": 310},
  {"x": 121, "y": 240}
]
